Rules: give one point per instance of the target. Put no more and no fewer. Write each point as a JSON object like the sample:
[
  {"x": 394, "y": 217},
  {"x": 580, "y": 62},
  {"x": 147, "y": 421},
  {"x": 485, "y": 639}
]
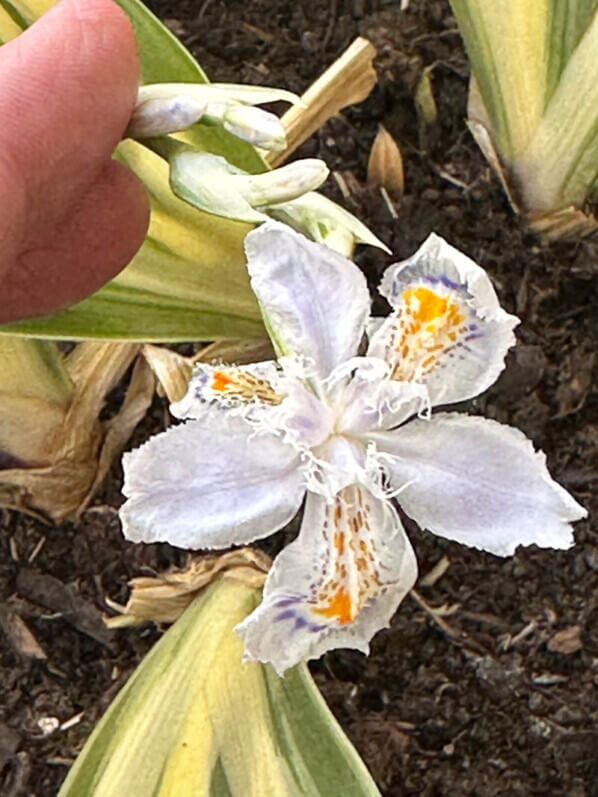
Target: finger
[
  {"x": 102, "y": 233},
  {"x": 67, "y": 89}
]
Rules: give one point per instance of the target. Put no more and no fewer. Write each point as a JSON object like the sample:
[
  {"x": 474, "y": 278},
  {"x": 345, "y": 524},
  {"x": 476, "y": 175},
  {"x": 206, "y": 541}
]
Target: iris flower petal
[
  {"x": 210, "y": 485},
  {"x": 372, "y": 401},
  {"x": 315, "y": 303},
  {"x": 339, "y": 583},
  {"x": 447, "y": 329},
  {"x": 229, "y": 387},
  {"x": 478, "y": 482}
]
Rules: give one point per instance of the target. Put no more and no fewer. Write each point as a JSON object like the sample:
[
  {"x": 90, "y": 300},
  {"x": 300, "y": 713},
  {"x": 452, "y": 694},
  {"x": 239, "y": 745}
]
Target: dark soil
[{"x": 479, "y": 702}]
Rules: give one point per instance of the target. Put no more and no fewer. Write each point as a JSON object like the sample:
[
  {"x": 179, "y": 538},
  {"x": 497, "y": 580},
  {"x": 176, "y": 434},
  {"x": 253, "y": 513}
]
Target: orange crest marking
[
  {"x": 243, "y": 385},
  {"x": 427, "y": 325},
  {"x": 351, "y": 577},
  {"x": 340, "y": 607}
]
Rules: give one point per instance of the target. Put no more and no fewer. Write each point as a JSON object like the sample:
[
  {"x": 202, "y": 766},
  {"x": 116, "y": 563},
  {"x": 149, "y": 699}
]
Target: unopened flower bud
[
  {"x": 260, "y": 128},
  {"x": 164, "y": 108},
  {"x": 325, "y": 221},
  {"x": 283, "y": 184},
  {"x": 158, "y": 117},
  {"x": 212, "y": 184}
]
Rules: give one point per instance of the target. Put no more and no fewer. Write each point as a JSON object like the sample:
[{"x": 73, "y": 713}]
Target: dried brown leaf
[
  {"x": 349, "y": 80},
  {"x": 118, "y": 429},
  {"x": 19, "y": 635},
  {"x": 239, "y": 352},
  {"x": 51, "y": 593},
  {"x": 385, "y": 164},
  {"x": 163, "y": 598},
  {"x": 77, "y": 446},
  {"x": 172, "y": 370},
  {"x": 563, "y": 224},
  {"x": 566, "y": 641}
]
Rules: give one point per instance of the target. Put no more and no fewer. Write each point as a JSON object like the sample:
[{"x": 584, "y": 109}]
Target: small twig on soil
[
  {"x": 388, "y": 202},
  {"x": 261, "y": 34},
  {"x": 101, "y": 509},
  {"x": 435, "y": 615},
  {"x": 485, "y": 618},
  {"x": 458, "y": 637},
  {"x": 436, "y": 573},
  {"x": 344, "y": 189},
  {"x": 14, "y": 549},
  {"x": 512, "y": 641},
  {"x": 35, "y": 552}
]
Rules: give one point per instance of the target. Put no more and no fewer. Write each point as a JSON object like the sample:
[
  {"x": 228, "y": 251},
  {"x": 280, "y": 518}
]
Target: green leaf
[
  {"x": 11, "y": 22},
  {"x": 505, "y": 41},
  {"x": 194, "y": 720},
  {"x": 163, "y": 58},
  {"x": 21, "y": 13},
  {"x": 533, "y": 103},
  {"x": 34, "y": 368},
  {"x": 568, "y": 21},
  {"x": 560, "y": 165}
]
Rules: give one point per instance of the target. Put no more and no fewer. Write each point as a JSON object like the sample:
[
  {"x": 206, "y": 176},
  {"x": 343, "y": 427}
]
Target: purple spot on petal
[
  {"x": 316, "y": 628},
  {"x": 286, "y": 615},
  {"x": 444, "y": 280},
  {"x": 286, "y": 602}
]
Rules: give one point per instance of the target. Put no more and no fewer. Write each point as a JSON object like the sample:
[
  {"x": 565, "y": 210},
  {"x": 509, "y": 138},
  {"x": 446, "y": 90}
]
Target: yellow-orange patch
[
  {"x": 243, "y": 385},
  {"x": 427, "y": 324},
  {"x": 340, "y": 607},
  {"x": 220, "y": 381},
  {"x": 424, "y": 304}
]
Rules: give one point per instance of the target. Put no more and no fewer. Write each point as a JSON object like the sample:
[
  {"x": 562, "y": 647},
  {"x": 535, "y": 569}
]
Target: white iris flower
[{"x": 350, "y": 431}]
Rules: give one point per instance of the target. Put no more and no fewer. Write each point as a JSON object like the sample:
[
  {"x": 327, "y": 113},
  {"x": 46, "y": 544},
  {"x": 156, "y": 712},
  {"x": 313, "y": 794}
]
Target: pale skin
[{"x": 70, "y": 216}]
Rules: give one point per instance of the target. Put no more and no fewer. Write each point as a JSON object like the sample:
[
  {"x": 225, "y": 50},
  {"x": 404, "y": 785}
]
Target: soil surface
[{"x": 498, "y": 694}]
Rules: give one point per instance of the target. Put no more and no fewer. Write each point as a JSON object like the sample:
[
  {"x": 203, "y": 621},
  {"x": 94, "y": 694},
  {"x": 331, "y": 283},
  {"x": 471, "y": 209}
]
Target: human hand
[{"x": 70, "y": 217}]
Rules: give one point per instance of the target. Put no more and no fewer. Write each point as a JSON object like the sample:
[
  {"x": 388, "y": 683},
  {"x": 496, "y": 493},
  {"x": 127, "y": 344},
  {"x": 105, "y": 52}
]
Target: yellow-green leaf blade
[
  {"x": 194, "y": 720},
  {"x": 560, "y": 165},
  {"x": 568, "y": 21},
  {"x": 11, "y": 23},
  {"x": 505, "y": 42},
  {"x": 35, "y": 394}
]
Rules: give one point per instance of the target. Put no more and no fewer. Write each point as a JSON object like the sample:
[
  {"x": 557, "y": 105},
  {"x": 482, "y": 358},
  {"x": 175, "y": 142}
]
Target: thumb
[{"x": 70, "y": 217}]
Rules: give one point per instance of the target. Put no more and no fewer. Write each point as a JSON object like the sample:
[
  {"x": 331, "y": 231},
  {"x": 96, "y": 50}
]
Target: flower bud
[
  {"x": 213, "y": 185},
  {"x": 158, "y": 117},
  {"x": 164, "y": 108},
  {"x": 257, "y": 127},
  {"x": 326, "y": 222},
  {"x": 283, "y": 184}
]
